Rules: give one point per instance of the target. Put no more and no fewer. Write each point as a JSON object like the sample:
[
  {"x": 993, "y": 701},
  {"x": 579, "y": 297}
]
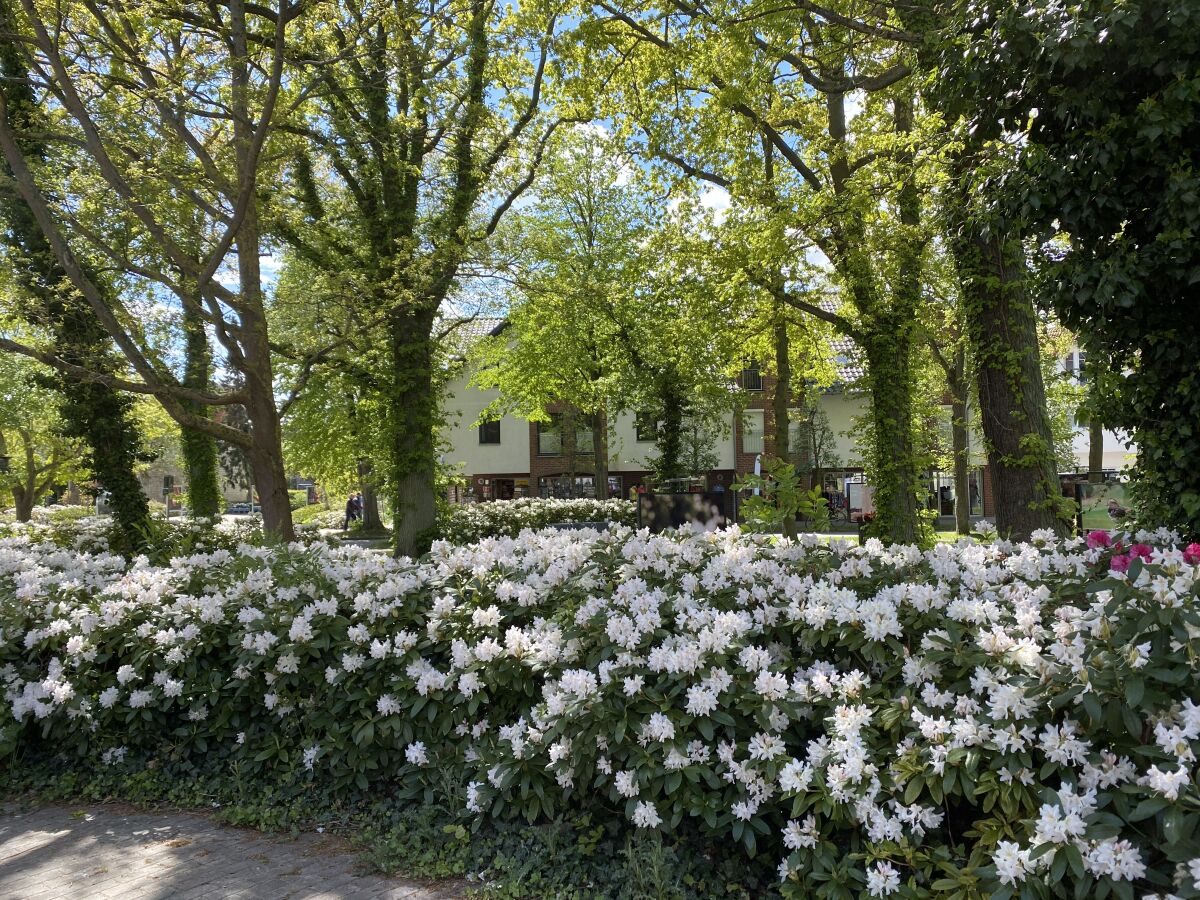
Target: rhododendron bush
[
  {"x": 508, "y": 518},
  {"x": 165, "y": 538},
  {"x": 974, "y": 720}
]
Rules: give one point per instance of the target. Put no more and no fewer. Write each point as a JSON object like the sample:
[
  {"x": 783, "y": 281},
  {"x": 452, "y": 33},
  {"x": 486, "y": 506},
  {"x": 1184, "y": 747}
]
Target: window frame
[
  {"x": 761, "y": 416},
  {"x": 553, "y": 426},
  {"x": 640, "y": 424},
  {"x": 485, "y": 433},
  {"x": 754, "y": 371}
]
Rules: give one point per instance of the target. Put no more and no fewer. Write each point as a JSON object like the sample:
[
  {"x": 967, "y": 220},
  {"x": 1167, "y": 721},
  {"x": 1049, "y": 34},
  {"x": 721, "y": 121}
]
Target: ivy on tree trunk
[
  {"x": 93, "y": 412},
  {"x": 198, "y": 448},
  {"x": 1002, "y": 328}
]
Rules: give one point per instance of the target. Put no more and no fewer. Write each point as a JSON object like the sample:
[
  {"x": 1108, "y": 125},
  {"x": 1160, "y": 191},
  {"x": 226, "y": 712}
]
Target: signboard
[{"x": 710, "y": 510}]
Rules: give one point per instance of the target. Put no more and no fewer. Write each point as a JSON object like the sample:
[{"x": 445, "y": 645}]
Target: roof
[
  {"x": 847, "y": 358},
  {"x": 468, "y": 331},
  {"x": 846, "y": 355}
]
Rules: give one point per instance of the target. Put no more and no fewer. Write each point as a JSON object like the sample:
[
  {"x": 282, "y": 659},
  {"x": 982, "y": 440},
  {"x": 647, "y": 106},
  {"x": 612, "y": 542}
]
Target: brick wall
[
  {"x": 989, "y": 497},
  {"x": 764, "y": 400}
]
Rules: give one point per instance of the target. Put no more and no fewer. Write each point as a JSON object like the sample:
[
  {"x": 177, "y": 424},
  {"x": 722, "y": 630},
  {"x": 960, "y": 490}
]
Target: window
[
  {"x": 489, "y": 432},
  {"x": 584, "y": 443},
  {"x": 549, "y": 436},
  {"x": 752, "y": 378},
  {"x": 799, "y": 436},
  {"x": 645, "y": 428},
  {"x": 752, "y": 431},
  {"x": 560, "y": 486}
]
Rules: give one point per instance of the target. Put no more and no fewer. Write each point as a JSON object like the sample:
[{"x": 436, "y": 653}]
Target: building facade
[{"x": 512, "y": 457}]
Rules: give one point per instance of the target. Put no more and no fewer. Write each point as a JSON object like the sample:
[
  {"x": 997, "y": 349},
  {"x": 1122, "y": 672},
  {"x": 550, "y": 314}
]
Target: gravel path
[{"x": 117, "y": 853}]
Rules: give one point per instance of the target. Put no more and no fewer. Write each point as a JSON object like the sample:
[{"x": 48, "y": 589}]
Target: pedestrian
[
  {"x": 351, "y": 513},
  {"x": 358, "y": 506}
]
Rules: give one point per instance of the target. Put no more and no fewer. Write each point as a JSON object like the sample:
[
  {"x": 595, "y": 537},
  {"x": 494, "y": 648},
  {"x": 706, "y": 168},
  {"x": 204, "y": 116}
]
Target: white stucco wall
[
  {"x": 463, "y": 404},
  {"x": 627, "y": 453},
  {"x": 1119, "y": 451},
  {"x": 842, "y": 409}
]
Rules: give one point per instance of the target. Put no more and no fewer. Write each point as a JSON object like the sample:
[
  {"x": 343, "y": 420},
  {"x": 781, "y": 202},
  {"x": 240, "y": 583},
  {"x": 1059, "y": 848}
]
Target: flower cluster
[
  {"x": 974, "y": 719},
  {"x": 508, "y": 518}
]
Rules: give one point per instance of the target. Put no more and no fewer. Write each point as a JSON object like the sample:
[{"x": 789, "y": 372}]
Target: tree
[
  {"x": 427, "y": 126},
  {"x": 573, "y": 254},
  {"x": 162, "y": 112},
  {"x": 608, "y": 310},
  {"x": 1111, "y": 169},
  {"x": 706, "y": 89},
  {"x": 814, "y": 448},
  {"x": 1041, "y": 151},
  {"x": 93, "y": 412},
  {"x": 31, "y": 434}
]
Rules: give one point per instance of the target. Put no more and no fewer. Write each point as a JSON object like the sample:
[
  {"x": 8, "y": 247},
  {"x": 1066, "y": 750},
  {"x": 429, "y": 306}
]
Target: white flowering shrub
[
  {"x": 508, "y": 518},
  {"x": 969, "y": 721},
  {"x": 165, "y": 538}
]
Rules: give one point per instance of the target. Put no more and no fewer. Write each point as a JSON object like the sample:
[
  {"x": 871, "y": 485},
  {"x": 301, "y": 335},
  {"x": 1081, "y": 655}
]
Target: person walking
[{"x": 351, "y": 513}]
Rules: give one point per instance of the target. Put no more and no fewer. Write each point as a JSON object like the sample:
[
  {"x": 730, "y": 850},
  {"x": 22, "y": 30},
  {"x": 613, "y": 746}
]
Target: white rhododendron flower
[
  {"x": 415, "y": 754},
  {"x": 646, "y": 816}
]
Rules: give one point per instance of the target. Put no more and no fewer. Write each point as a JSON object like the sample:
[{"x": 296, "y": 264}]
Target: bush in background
[{"x": 508, "y": 518}]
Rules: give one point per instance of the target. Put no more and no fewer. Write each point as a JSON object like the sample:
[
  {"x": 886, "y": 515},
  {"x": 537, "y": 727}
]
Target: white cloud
[{"x": 716, "y": 199}]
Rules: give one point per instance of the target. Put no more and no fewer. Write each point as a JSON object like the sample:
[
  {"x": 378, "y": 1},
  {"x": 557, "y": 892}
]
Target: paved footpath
[{"x": 112, "y": 852}]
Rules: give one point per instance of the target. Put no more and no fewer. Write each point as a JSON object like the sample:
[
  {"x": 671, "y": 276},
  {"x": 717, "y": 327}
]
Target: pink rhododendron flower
[
  {"x": 1191, "y": 554},
  {"x": 1098, "y": 538},
  {"x": 1119, "y": 563},
  {"x": 1145, "y": 551}
]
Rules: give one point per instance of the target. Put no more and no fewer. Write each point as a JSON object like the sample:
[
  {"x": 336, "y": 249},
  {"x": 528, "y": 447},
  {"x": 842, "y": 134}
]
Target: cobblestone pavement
[{"x": 117, "y": 853}]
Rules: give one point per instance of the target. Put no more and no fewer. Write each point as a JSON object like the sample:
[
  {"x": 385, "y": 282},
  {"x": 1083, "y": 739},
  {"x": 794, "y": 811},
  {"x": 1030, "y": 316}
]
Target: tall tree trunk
[
  {"x": 266, "y": 451},
  {"x": 370, "y": 499},
  {"x": 956, "y": 381},
  {"x": 1002, "y": 326},
  {"x": 888, "y": 347},
  {"x": 199, "y": 449},
  {"x": 889, "y": 364},
  {"x": 962, "y": 467},
  {"x": 1095, "y": 449},
  {"x": 600, "y": 449},
  {"x": 372, "y": 520},
  {"x": 886, "y": 334},
  {"x": 266, "y": 468},
  {"x": 670, "y": 427},
  {"x": 780, "y": 401},
  {"x": 412, "y": 411}
]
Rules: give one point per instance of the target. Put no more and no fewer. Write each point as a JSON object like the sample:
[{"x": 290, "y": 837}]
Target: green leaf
[{"x": 1135, "y": 689}]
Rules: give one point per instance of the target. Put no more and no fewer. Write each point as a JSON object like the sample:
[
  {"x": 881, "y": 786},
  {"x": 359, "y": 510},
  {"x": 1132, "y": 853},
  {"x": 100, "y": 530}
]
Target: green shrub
[{"x": 508, "y": 518}]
